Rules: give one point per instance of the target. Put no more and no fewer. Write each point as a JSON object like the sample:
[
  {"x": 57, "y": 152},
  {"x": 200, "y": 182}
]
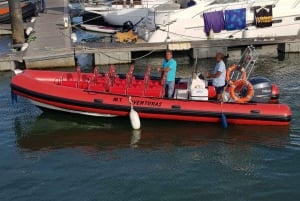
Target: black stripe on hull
[{"x": 158, "y": 111}]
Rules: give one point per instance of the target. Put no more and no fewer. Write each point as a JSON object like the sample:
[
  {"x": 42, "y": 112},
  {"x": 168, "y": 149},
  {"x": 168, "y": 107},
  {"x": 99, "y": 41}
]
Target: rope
[
  {"x": 74, "y": 25},
  {"x": 181, "y": 35},
  {"x": 130, "y": 101},
  {"x": 136, "y": 59}
]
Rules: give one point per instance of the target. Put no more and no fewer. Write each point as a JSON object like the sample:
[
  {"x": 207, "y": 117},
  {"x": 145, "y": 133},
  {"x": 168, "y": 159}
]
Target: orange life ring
[
  {"x": 239, "y": 84},
  {"x": 234, "y": 67}
]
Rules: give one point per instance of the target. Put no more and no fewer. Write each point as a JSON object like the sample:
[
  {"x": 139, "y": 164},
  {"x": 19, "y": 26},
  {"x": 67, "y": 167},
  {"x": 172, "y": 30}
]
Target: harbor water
[
  {"x": 5, "y": 43},
  {"x": 51, "y": 156}
]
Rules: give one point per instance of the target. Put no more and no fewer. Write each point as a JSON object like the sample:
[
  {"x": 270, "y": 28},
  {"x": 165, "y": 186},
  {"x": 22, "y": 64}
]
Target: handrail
[
  {"x": 247, "y": 61},
  {"x": 296, "y": 3}
]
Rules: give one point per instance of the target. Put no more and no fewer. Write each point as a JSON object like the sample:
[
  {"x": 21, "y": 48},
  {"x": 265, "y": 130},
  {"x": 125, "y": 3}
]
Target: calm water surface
[
  {"x": 5, "y": 42},
  {"x": 55, "y": 156}
]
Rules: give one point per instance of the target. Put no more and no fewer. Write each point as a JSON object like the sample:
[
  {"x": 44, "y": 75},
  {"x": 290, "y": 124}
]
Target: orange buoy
[
  {"x": 232, "y": 68},
  {"x": 237, "y": 86}
]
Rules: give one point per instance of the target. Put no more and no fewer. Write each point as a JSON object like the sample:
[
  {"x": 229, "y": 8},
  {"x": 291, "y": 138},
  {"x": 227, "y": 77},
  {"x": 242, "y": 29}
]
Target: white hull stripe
[{"x": 39, "y": 104}]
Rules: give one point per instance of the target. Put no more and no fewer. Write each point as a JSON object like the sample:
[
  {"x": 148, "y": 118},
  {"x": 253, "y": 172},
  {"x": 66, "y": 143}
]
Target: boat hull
[
  {"x": 100, "y": 29},
  {"x": 28, "y": 10},
  {"x": 185, "y": 24},
  {"x": 32, "y": 84}
]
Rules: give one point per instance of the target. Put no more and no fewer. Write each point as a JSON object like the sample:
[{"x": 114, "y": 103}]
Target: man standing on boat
[
  {"x": 169, "y": 66},
  {"x": 219, "y": 75}
]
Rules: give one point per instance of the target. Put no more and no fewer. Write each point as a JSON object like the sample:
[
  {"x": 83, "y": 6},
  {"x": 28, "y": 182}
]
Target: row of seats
[
  {"x": 111, "y": 82},
  {"x": 139, "y": 87}
]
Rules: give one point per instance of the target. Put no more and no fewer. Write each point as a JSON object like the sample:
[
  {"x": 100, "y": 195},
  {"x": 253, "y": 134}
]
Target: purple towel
[{"x": 215, "y": 21}]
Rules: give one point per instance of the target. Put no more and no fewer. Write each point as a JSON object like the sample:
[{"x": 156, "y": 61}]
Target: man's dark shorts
[{"x": 219, "y": 90}]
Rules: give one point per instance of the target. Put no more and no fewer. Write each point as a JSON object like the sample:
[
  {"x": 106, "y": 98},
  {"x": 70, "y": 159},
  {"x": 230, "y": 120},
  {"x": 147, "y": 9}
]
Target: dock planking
[
  {"x": 51, "y": 40},
  {"x": 5, "y": 29}
]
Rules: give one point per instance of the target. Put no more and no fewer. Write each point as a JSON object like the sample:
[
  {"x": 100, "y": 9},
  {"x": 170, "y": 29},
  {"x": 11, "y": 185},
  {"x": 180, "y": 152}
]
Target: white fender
[
  {"x": 17, "y": 71},
  {"x": 134, "y": 119},
  {"x": 29, "y": 31},
  {"x": 66, "y": 22},
  {"x": 74, "y": 37},
  {"x": 24, "y": 46}
]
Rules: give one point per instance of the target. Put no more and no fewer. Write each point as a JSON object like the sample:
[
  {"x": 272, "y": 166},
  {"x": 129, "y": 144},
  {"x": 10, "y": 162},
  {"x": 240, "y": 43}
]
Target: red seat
[
  {"x": 136, "y": 91},
  {"x": 138, "y": 87},
  {"x": 118, "y": 89},
  {"x": 155, "y": 91},
  {"x": 120, "y": 82},
  {"x": 69, "y": 84},
  {"x": 119, "y": 86},
  {"x": 101, "y": 84},
  {"x": 156, "y": 88},
  {"x": 153, "y": 83},
  {"x": 99, "y": 87},
  {"x": 211, "y": 92},
  {"x": 83, "y": 85}
]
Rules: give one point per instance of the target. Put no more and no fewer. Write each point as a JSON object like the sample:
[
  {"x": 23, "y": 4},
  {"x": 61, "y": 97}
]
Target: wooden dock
[
  {"x": 50, "y": 44},
  {"x": 105, "y": 52},
  {"x": 5, "y": 29},
  {"x": 52, "y": 40},
  {"x": 92, "y": 47}
]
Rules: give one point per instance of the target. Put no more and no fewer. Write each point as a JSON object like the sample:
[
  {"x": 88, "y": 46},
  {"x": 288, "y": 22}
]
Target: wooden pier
[
  {"x": 105, "y": 53},
  {"x": 50, "y": 44},
  {"x": 52, "y": 39}
]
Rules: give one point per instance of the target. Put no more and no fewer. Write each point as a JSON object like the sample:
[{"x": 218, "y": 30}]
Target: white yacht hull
[{"x": 188, "y": 25}]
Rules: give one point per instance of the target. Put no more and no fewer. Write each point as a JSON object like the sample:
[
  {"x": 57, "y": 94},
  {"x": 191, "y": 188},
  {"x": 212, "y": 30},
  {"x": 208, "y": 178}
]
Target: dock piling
[{"x": 16, "y": 22}]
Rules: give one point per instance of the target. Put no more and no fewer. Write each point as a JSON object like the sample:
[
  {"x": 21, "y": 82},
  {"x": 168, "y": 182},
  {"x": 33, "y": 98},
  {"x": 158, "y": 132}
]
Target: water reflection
[
  {"x": 135, "y": 138},
  {"x": 5, "y": 43},
  {"x": 51, "y": 131}
]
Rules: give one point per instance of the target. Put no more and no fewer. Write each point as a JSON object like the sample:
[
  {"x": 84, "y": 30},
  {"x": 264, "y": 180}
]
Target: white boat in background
[
  {"x": 122, "y": 4},
  {"x": 188, "y": 24},
  {"x": 117, "y": 14},
  {"x": 100, "y": 29},
  {"x": 117, "y": 17}
]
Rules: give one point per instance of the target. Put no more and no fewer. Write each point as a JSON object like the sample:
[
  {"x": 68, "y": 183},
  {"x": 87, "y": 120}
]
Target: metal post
[
  {"x": 66, "y": 15},
  {"x": 16, "y": 22}
]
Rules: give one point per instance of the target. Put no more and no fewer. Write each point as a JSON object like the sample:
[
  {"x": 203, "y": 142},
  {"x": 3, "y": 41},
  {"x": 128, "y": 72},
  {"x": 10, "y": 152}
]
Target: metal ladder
[{"x": 247, "y": 61}]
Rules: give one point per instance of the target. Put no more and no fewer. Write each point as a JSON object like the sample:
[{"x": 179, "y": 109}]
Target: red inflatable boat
[{"x": 107, "y": 94}]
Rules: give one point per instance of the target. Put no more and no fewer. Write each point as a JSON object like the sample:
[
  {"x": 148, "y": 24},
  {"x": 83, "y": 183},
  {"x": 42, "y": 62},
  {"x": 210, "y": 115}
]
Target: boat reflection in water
[{"x": 52, "y": 131}]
